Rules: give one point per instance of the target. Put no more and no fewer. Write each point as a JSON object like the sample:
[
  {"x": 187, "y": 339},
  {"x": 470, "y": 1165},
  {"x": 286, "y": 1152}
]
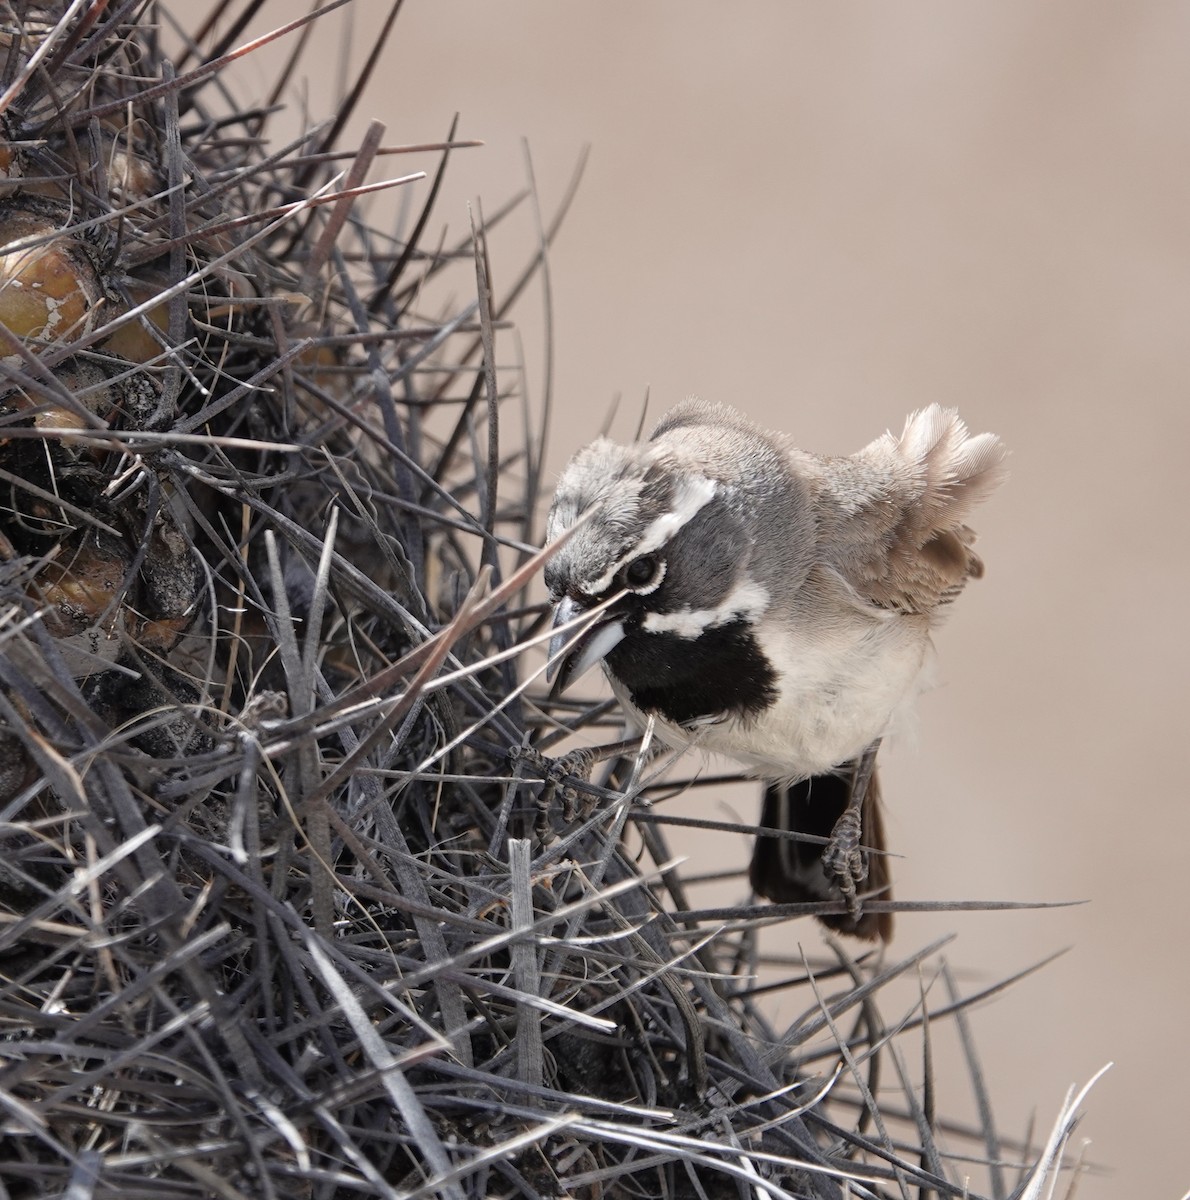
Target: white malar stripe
[
  {"x": 694, "y": 493},
  {"x": 748, "y": 601}
]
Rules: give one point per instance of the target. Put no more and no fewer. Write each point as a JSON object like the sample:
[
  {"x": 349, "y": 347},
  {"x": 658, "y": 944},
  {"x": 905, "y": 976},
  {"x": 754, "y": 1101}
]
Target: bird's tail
[{"x": 787, "y": 871}]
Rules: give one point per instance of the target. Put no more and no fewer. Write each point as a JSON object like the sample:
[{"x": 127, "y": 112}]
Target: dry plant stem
[{"x": 530, "y": 1067}]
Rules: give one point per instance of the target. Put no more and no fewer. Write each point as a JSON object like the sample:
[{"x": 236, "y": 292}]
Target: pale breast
[{"x": 841, "y": 686}]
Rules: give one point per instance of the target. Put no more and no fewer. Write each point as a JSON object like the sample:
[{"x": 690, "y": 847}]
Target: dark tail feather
[{"x": 791, "y": 872}]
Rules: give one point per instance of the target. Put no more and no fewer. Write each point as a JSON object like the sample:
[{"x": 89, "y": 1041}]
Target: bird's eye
[{"x": 643, "y": 571}]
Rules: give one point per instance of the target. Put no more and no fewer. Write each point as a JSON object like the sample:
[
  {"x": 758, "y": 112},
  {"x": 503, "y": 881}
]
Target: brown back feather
[{"x": 897, "y": 511}]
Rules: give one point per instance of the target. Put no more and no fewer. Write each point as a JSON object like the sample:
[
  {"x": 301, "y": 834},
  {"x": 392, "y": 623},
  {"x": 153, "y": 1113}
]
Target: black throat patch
[{"x": 721, "y": 673}]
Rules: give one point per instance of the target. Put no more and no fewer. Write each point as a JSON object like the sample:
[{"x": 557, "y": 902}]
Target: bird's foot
[
  {"x": 555, "y": 772},
  {"x": 844, "y": 861}
]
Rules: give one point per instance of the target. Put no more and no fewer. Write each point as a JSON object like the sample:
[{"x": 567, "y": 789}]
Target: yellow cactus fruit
[{"x": 49, "y": 286}]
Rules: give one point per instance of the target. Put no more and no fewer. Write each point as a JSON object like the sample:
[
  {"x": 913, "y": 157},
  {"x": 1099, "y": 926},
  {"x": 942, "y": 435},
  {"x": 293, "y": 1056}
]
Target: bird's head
[{"x": 663, "y": 553}]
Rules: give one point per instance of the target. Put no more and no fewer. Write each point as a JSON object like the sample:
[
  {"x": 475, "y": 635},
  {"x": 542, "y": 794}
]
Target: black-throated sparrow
[{"x": 774, "y": 606}]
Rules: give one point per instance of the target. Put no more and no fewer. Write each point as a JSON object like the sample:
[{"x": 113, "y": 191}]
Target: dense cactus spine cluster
[{"x": 274, "y": 920}]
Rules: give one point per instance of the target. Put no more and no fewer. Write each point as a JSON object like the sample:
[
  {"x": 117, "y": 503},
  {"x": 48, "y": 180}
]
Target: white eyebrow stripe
[
  {"x": 747, "y": 600},
  {"x": 694, "y": 493}
]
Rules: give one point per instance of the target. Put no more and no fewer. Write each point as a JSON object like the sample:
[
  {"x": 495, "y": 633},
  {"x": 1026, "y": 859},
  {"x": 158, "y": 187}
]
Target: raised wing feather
[{"x": 895, "y": 514}]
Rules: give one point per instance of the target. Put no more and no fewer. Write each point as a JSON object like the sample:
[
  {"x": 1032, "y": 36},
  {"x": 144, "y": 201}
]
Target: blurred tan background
[{"x": 831, "y": 214}]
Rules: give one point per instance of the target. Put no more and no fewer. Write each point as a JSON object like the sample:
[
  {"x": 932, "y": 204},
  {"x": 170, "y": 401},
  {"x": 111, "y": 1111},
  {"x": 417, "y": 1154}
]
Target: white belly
[{"x": 838, "y": 691}]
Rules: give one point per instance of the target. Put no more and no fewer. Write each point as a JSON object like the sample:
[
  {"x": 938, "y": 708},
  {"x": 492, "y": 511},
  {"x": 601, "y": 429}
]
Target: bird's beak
[{"x": 575, "y": 651}]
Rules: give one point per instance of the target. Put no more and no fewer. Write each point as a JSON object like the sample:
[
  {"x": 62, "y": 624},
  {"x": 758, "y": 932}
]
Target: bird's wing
[{"x": 893, "y": 515}]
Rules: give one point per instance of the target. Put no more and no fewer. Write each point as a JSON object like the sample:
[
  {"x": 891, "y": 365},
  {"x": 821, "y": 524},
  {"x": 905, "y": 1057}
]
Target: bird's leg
[
  {"x": 575, "y": 765},
  {"x": 843, "y": 859},
  {"x": 554, "y": 772}
]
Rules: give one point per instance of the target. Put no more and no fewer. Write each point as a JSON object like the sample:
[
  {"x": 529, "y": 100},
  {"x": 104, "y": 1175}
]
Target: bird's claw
[
  {"x": 576, "y": 804},
  {"x": 844, "y": 861}
]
